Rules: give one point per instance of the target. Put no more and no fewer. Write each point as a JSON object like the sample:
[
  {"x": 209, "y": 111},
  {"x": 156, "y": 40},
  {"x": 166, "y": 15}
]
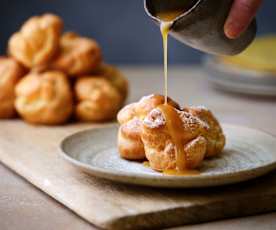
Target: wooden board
[{"x": 33, "y": 153}]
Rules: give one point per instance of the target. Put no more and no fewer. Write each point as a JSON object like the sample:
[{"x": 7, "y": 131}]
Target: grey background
[{"x": 121, "y": 26}]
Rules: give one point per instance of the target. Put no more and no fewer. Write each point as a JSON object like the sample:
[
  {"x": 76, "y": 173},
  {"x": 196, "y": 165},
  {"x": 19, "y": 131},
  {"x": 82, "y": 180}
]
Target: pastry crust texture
[
  {"x": 44, "y": 98},
  {"x": 65, "y": 75},
  {"x": 214, "y": 134},
  {"x": 78, "y": 55},
  {"x": 10, "y": 73},
  {"x": 97, "y": 99},
  {"x": 37, "y": 41},
  {"x": 130, "y": 118},
  {"x": 200, "y": 134},
  {"x": 115, "y": 76}
]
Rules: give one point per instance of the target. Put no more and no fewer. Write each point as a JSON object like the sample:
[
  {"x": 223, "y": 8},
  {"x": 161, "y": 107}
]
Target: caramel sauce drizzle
[
  {"x": 146, "y": 164},
  {"x": 167, "y": 19},
  {"x": 173, "y": 121},
  {"x": 174, "y": 126},
  {"x": 174, "y": 172}
]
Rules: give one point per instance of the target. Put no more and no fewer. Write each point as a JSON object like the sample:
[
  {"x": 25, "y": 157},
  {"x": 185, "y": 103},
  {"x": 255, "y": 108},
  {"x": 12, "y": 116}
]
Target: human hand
[{"x": 240, "y": 17}]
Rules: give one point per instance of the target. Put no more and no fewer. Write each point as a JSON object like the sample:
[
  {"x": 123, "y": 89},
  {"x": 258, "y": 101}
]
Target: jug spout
[{"x": 201, "y": 25}]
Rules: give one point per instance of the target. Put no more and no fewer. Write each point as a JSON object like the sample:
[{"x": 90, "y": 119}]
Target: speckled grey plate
[
  {"x": 239, "y": 80},
  {"x": 248, "y": 154}
]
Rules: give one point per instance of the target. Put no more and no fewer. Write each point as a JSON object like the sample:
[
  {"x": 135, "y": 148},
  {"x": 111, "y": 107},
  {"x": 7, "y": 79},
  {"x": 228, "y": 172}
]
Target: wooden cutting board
[{"x": 33, "y": 153}]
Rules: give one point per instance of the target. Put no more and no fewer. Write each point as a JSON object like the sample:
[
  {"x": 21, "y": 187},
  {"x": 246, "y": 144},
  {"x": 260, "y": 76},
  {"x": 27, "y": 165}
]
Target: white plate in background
[{"x": 235, "y": 79}]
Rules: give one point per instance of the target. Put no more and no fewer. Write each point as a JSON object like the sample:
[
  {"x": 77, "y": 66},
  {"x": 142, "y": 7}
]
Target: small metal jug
[{"x": 201, "y": 26}]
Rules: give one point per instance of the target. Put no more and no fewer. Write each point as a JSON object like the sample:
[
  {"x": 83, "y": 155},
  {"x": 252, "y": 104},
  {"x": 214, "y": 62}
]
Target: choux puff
[
  {"x": 160, "y": 146},
  {"x": 166, "y": 130},
  {"x": 44, "y": 98},
  {"x": 115, "y": 76},
  {"x": 37, "y": 41},
  {"x": 214, "y": 134},
  {"x": 10, "y": 73},
  {"x": 97, "y": 99},
  {"x": 78, "y": 55},
  {"x": 101, "y": 95},
  {"x": 130, "y": 119}
]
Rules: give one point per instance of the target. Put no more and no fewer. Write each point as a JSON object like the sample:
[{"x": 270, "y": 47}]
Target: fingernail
[{"x": 232, "y": 30}]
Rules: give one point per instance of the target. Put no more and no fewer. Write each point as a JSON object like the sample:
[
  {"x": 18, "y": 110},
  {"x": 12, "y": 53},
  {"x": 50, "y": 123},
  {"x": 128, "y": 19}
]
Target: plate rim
[
  {"x": 117, "y": 176},
  {"x": 246, "y": 81}
]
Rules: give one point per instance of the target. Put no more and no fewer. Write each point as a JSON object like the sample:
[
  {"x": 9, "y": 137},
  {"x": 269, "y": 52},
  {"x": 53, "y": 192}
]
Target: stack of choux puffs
[{"x": 49, "y": 77}]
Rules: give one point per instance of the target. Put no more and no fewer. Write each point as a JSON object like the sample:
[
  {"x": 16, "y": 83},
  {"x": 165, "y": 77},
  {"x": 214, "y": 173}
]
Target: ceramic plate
[
  {"x": 239, "y": 80},
  {"x": 248, "y": 154}
]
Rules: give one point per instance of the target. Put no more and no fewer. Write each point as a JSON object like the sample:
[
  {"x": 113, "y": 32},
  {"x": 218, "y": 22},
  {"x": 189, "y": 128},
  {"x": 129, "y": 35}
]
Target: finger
[{"x": 241, "y": 15}]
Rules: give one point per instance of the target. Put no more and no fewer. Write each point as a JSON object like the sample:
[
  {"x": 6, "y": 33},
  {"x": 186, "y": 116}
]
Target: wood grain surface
[
  {"x": 24, "y": 207},
  {"x": 33, "y": 153}
]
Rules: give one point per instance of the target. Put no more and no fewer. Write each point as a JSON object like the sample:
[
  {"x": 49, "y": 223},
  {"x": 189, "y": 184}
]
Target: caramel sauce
[
  {"x": 146, "y": 164},
  {"x": 174, "y": 172},
  {"x": 173, "y": 121},
  {"x": 169, "y": 16},
  {"x": 174, "y": 126},
  {"x": 167, "y": 19}
]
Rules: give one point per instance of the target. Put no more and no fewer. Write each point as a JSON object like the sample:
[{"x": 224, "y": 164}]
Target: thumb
[{"x": 241, "y": 15}]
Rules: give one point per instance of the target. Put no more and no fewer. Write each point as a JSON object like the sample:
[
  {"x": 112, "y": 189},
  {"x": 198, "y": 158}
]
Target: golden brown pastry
[
  {"x": 161, "y": 145},
  {"x": 37, "y": 41},
  {"x": 78, "y": 55},
  {"x": 130, "y": 144},
  {"x": 115, "y": 76},
  {"x": 170, "y": 138},
  {"x": 98, "y": 100},
  {"x": 10, "y": 73},
  {"x": 214, "y": 135},
  {"x": 130, "y": 118},
  {"x": 44, "y": 98}
]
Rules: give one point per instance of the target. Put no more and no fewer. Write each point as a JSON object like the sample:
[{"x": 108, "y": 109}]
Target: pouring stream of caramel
[
  {"x": 167, "y": 19},
  {"x": 173, "y": 121}
]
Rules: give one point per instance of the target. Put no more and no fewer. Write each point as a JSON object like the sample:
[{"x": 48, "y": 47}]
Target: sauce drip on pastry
[
  {"x": 173, "y": 121},
  {"x": 175, "y": 129},
  {"x": 174, "y": 126},
  {"x": 172, "y": 140}
]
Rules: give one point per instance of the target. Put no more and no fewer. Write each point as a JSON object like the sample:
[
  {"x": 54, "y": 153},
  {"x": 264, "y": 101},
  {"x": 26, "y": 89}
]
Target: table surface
[{"x": 22, "y": 206}]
